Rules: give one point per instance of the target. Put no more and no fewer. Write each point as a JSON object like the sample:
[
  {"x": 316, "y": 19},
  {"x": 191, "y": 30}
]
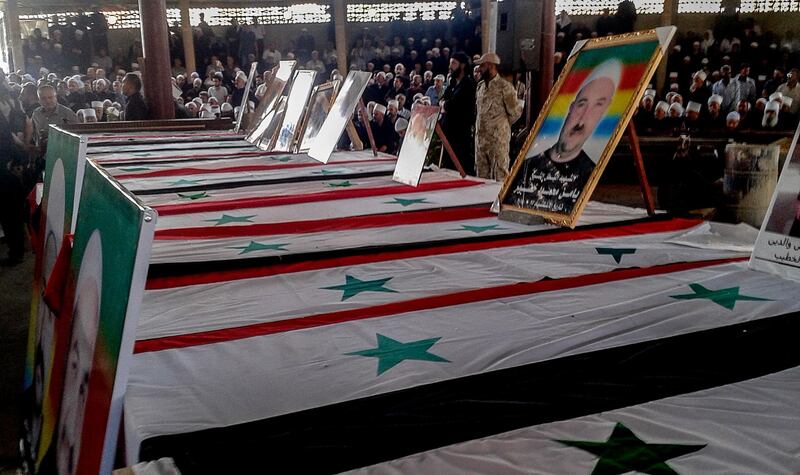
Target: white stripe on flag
[{"x": 214, "y": 385}]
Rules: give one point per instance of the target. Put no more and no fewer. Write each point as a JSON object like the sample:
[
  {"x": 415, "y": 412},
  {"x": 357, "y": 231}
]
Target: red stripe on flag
[
  {"x": 415, "y": 305},
  {"x": 328, "y": 225},
  {"x": 612, "y": 231},
  {"x": 242, "y": 168},
  {"x": 283, "y": 200},
  {"x": 631, "y": 75}
]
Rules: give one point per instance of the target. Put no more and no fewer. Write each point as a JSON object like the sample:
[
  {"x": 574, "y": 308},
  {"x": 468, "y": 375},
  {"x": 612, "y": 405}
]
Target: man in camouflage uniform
[{"x": 498, "y": 108}]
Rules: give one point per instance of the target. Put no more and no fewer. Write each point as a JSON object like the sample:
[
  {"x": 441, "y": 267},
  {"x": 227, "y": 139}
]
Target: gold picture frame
[{"x": 659, "y": 38}]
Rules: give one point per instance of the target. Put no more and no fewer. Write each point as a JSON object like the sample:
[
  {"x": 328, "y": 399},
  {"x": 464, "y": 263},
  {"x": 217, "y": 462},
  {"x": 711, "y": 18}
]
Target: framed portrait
[
  {"x": 243, "y": 106},
  {"x": 318, "y": 107},
  {"x": 296, "y": 101},
  {"x": 777, "y": 249},
  {"x": 265, "y": 113},
  {"x": 581, "y": 123},
  {"x": 416, "y": 139},
  {"x": 340, "y": 114}
]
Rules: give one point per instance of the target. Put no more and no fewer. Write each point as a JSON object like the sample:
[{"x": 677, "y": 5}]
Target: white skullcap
[
  {"x": 438, "y": 77},
  {"x": 87, "y": 113},
  {"x": 77, "y": 79},
  {"x": 673, "y": 74},
  {"x": 198, "y": 101},
  {"x": 662, "y": 106},
  {"x": 650, "y": 92},
  {"x": 226, "y": 107},
  {"x": 379, "y": 108},
  {"x": 418, "y": 95},
  {"x": 394, "y": 103},
  {"x": 701, "y": 74},
  {"x": 733, "y": 116},
  {"x": 194, "y": 75},
  {"x": 400, "y": 125},
  {"x": 693, "y": 106},
  {"x": 715, "y": 98},
  {"x": 191, "y": 105},
  {"x": 242, "y": 75},
  {"x": 97, "y": 104},
  {"x": 380, "y": 74},
  {"x": 676, "y": 107},
  {"x": 674, "y": 87},
  {"x": 611, "y": 69},
  {"x": 773, "y": 106}
]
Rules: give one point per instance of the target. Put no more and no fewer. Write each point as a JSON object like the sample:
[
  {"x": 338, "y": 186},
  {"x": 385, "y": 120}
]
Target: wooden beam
[
  {"x": 157, "y": 69},
  {"x": 188, "y": 39},
  {"x": 340, "y": 30},
  {"x": 14, "y": 35},
  {"x": 548, "y": 51}
]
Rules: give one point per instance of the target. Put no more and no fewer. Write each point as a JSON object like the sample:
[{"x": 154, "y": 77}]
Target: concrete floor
[{"x": 15, "y": 297}]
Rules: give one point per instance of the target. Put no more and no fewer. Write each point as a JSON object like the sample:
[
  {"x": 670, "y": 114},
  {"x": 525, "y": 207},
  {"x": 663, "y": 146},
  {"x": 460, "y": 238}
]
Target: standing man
[
  {"x": 135, "y": 108},
  {"x": 498, "y": 108},
  {"x": 728, "y": 89},
  {"x": 458, "y": 105},
  {"x": 50, "y": 112}
]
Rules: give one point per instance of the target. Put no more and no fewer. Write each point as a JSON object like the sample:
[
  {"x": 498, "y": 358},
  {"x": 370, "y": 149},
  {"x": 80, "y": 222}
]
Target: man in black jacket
[
  {"x": 135, "y": 108},
  {"x": 459, "y": 113}
]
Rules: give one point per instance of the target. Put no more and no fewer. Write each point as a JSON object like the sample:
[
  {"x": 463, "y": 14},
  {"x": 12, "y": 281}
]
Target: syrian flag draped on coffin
[{"x": 360, "y": 363}]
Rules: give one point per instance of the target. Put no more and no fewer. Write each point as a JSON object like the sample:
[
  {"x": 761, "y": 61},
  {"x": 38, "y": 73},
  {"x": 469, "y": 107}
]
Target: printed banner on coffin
[
  {"x": 777, "y": 248},
  {"x": 105, "y": 284},
  {"x": 581, "y": 122},
  {"x": 63, "y": 176}
]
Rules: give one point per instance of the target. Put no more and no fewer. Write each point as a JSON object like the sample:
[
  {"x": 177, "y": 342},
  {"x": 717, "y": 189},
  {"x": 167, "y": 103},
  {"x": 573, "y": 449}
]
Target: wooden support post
[
  {"x": 362, "y": 109},
  {"x": 450, "y": 151},
  {"x": 547, "y": 52},
  {"x": 666, "y": 19},
  {"x": 14, "y": 36},
  {"x": 340, "y": 22},
  {"x": 188, "y": 38},
  {"x": 638, "y": 161},
  {"x": 157, "y": 71}
]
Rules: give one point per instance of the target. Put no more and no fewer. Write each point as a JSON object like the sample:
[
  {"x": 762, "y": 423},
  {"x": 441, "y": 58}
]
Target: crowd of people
[{"x": 727, "y": 80}]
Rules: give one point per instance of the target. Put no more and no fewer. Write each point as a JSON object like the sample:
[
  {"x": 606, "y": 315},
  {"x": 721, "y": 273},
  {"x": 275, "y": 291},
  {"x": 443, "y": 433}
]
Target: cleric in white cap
[
  {"x": 497, "y": 108},
  {"x": 566, "y": 158},
  {"x": 693, "y": 110}
]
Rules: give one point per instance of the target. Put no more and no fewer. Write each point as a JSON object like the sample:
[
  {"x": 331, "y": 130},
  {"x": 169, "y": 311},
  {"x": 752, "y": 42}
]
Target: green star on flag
[
  {"x": 282, "y": 158},
  {"x": 616, "y": 253},
  {"x": 624, "y": 452},
  {"x": 406, "y": 201},
  {"x": 391, "y": 352},
  {"x": 257, "y": 246},
  {"x": 135, "y": 169},
  {"x": 341, "y": 184},
  {"x": 724, "y": 297},
  {"x": 479, "y": 229},
  {"x": 183, "y": 181},
  {"x": 226, "y": 218},
  {"x": 193, "y": 196},
  {"x": 354, "y": 286}
]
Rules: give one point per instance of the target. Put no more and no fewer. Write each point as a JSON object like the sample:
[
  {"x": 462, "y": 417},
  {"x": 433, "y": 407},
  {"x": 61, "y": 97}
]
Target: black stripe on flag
[
  {"x": 228, "y": 185},
  {"x": 366, "y": 431}
]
